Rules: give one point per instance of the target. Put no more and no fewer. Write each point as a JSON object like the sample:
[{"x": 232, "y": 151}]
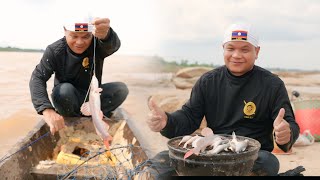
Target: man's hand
[
  {"x": 281, "y": 129},
  {"x": 101, "y": 27},
  {"x": 54, "y": 120},
  {"x": 157, "y": 118}
]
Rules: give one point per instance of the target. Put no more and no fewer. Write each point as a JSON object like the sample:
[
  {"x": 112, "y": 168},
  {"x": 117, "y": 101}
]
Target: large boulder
[
  {"x": 192, "y": 72},
  {"x": 171, "y": 101},
  {"x": 187, "y": 77},
  {"x": 184, "y": 83}
]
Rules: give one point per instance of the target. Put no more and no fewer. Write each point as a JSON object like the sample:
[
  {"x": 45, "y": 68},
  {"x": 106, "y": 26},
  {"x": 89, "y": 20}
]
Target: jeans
[
  {"x": 67, "y": 100},
  {"x": 266, "y": 164}
]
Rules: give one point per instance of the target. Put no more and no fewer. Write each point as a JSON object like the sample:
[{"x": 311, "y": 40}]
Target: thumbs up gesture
[
  {"x": 157, "y": 118},
  {"x": 281, "y": 129}
]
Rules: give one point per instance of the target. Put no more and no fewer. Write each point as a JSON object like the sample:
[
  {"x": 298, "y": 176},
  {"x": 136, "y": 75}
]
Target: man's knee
[
  {"x": 267, "y": 164},
  {"x": 65, "y": 99},
  {"x": 123, "y": 90},
  {"x": 63, "y": 90}
]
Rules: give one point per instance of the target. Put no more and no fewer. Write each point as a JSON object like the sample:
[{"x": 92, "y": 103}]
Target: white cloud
[
  {"x": 192, "y": 28},
  {"x": 197, "y": 19},
  {"x": 289, "y": 29},
  {"x": 35, "y": 24}
]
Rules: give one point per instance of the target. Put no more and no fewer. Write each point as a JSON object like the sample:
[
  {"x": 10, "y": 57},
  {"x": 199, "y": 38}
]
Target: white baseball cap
[
  {"x": 78, "y": 24},
  {"x": 241, "y": 32}
]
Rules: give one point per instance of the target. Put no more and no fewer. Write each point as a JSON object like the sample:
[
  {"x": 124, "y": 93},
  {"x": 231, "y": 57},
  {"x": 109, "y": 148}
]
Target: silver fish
[
  {"x": 195, "y": 142},
  {"x": 185, "y": 139},
  {"x": 216, "y": 141},
  {"x": 190, "y": 141},
  {"x": 219, "y": 148},
  {"x": 93, "y": 108},
  {"x": 200, "y": 145},
  {"x": 220, "y": 142},
  {"x": 241, "y": 145},
  {"x": 238, "y": 146}
]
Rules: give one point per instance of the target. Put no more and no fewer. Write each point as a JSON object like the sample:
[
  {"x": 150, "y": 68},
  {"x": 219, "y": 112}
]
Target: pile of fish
[{"x": 209, "y": 143}]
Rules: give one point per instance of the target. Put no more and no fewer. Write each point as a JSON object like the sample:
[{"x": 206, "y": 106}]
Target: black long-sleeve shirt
[
  {"x": 69, "y": 67},
  {"x": 247, "y": 105}
]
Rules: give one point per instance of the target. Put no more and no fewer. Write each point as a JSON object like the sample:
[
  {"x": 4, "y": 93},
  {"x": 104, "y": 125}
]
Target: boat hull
[{"x": 24, "y": 160}]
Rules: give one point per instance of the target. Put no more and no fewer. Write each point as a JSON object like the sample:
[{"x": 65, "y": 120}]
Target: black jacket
[
  {"x": 69, "y": 67},
  {"x": 247, "y": 105}
]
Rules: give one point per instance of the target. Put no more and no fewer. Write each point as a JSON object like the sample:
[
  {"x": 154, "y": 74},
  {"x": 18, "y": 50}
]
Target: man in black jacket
[
  {"x": 239, "y": 97},
  {"x": 71, "y": 60}
]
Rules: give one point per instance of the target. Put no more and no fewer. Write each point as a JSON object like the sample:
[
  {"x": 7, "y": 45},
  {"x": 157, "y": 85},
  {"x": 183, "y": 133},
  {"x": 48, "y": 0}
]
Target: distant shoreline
[
  {"x": 15, "y": 49},
  {"x": 168, "y": 66},
  {"x": 172, "y": 66}
]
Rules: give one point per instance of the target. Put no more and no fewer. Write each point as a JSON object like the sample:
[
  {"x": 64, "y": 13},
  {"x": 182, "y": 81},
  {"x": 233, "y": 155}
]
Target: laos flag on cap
[
  {"x": 239, "y": 35},
  {"x": 78, "y": 24},
  {"x": 241, "y": 32},
  {"x": 81, "y": 27}
]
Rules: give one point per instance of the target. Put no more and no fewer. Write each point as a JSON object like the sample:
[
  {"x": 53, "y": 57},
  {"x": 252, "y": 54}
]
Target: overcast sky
[{"x": 175, "y": 29}]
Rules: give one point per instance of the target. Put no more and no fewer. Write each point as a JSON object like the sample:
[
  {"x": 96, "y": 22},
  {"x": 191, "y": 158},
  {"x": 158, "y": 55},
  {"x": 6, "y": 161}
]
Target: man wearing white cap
[
  {"x": 71, "y": 60},
  {"x": 238, "y": 97}
]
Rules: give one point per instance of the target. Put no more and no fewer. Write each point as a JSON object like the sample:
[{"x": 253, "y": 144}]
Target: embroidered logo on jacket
[
  {"x": 249, "y": 109},
  {"x": 85, "y": 62}
]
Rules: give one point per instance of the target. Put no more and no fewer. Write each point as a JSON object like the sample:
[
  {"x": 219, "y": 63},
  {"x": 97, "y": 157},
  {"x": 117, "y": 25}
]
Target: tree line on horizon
[
  {"x": 15, "y": 49},
  {"x": 184, "y": 63}
]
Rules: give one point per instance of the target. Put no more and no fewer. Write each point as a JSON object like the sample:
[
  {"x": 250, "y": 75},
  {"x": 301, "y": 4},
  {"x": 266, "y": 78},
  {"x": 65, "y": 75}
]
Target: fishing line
[
  {"x": 24, "y": 147},
  {"x": 93, "y": 69}
]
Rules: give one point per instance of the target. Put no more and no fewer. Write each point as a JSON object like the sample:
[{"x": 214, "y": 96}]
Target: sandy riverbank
[{"x": 144, "y": 78}]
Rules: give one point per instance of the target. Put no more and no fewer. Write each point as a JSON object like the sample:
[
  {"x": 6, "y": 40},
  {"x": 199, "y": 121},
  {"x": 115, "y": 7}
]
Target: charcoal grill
[{"x": 222, "y": 164}]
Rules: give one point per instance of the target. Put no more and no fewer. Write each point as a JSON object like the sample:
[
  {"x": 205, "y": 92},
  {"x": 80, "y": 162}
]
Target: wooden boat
[{"x": 29, "y": 158}]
